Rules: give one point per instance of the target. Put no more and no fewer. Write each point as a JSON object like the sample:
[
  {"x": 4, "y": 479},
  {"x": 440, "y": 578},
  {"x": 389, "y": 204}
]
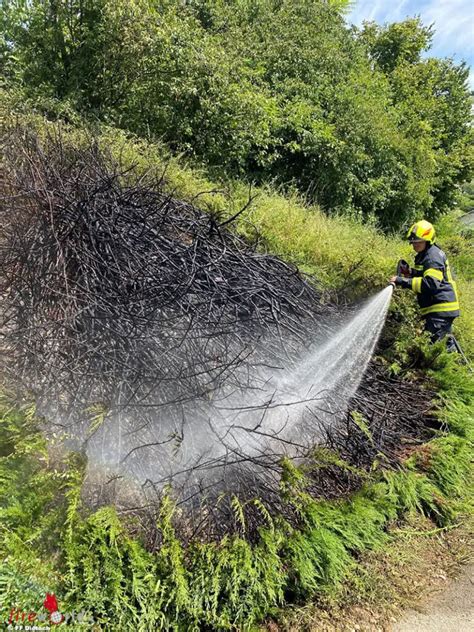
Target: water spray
[
  {"x": 156, "y": 341},
  {"x": 285, "y": 411}
]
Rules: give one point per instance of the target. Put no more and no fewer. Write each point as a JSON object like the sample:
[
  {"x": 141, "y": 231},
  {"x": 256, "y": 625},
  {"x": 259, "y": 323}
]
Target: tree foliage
[
  {"x": 433, "y": 105},
  {"x": 263, "y": 89}
]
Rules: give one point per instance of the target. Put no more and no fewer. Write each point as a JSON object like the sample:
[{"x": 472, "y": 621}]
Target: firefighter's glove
[{"x": 403, "y": 269}]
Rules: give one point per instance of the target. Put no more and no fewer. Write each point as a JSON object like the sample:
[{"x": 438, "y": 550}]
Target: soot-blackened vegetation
[
  {"x": 139, "y": 323},
  {"x": 134, "y": 317},
  {"x": 77, "y": 298}
]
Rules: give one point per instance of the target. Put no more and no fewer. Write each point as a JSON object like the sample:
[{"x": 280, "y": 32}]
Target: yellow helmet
[{"x": 421, "y": 231}]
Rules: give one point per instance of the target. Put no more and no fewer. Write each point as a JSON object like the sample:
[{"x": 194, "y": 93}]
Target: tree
[
  {"x": 360, "y": 121},
  {"x": 395, "y": 44},
  {"x": 433, "y": 102}
]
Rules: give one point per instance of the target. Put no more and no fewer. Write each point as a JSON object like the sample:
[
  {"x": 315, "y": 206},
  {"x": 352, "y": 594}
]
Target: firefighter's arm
[
  {"x": 430, "y": 281},
  {"x": 427, "y": 282}
]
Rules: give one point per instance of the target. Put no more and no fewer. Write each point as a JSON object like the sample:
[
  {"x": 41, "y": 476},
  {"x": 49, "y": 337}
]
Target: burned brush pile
[
  {"x": 123, "y": 304},
  {"x": 96, "y": 262},
  {"x": 145, "y": 330}
]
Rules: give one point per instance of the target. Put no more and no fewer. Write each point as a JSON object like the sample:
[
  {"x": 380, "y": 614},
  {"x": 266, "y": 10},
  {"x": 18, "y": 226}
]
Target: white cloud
[
  {"x": 454, "y": 24},
  {"x": 380, "y": 11}
]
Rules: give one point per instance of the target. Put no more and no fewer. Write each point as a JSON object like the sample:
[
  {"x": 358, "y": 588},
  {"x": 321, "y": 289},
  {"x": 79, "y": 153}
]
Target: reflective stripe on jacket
[{"x": 433, "y": 283}]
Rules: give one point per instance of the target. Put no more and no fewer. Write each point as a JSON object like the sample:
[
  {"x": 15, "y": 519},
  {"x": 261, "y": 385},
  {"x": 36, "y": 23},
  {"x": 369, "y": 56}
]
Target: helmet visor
[{"x": 412, "y": 237}]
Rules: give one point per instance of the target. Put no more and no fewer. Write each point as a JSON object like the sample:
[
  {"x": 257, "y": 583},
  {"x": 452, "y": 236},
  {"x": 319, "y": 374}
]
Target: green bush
[{"x": 271, "y": 91}]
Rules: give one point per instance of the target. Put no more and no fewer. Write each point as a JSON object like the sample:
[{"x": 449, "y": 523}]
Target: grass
[{"x": 376, "y": 590}]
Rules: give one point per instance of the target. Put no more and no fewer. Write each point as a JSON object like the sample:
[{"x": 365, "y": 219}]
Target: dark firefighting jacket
[{"x": 432, "y": 281}]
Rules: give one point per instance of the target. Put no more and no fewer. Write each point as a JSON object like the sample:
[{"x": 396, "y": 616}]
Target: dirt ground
[{"x": 451, "y": 610}]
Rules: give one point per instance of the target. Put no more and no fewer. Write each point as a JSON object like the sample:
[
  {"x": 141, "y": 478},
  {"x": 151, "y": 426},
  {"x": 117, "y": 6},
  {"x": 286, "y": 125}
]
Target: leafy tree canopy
[{"x": 260, "y": 89}]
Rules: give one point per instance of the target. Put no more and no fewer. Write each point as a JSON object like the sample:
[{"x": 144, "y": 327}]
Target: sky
[{"x": 453, "y": 23}]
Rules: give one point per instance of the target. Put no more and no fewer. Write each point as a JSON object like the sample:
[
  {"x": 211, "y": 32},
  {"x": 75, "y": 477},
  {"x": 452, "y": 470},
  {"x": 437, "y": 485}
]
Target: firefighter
[{"x": 432, "y": 281}]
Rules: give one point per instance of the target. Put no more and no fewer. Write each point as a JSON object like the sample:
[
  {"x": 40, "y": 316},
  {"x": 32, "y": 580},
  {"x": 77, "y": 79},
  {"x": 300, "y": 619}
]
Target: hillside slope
[{"x": 141, "y": 570}]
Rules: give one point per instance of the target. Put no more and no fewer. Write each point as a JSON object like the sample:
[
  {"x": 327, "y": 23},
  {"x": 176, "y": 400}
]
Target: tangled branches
[
  {"x": 96, "y": 263},
  {"x": 121, "y": 301},
  {"x": 397, "y": 415},
  {"x": 151, "y": 336}
]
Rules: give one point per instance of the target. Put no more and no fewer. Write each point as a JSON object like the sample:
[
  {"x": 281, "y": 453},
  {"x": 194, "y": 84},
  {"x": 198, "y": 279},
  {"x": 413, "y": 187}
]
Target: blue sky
[{"x": 453, "y": 23}]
